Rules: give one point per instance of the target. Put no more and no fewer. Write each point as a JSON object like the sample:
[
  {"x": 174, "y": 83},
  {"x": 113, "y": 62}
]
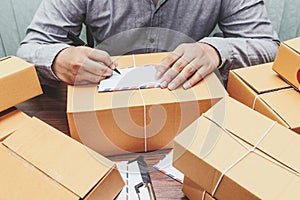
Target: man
[{"x": 144, "y": 26}]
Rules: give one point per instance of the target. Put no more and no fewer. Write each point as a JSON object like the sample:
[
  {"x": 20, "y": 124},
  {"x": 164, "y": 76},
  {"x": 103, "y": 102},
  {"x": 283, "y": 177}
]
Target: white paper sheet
[
  {"x": 165, "y": 166},
  {"x": 130, "y": 78}
]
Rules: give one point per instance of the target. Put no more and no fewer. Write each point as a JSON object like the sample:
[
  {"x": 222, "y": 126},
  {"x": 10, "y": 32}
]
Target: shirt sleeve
[
  {"x": 46, "y": 35},
  {"x": 249, "y": 37}
]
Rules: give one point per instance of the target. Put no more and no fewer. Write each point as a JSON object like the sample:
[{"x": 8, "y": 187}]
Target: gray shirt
[{"x": 141, "y": 26}]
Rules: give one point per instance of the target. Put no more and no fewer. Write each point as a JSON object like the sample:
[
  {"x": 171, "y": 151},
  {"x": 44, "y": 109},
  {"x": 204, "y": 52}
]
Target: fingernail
[
  {"x": 113, "y": 66},
  {"x": 186, "y": 85},
  {"x": 171, "y": 86},
  {"x": 163, "y": 84}
]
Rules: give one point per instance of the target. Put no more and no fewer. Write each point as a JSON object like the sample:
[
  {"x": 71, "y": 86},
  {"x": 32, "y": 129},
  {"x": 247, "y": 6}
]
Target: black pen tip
[{"x": 116, "y": 70}]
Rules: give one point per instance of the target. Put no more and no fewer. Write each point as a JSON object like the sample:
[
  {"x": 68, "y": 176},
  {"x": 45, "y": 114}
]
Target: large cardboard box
[
  {"x": 233, "y": 152},
  {"x": 40, "y": 162},
  {"x": 18, "y": 82},
  {"x": 287, "y": 62},
  {"x": 194, "y": 191},
  {"x": 260, "y": 88},
  {"x": 113, "y": 122}
]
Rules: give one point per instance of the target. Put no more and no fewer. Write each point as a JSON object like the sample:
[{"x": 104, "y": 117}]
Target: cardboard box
[
  {"x": 219, "y": 142},
  {"x": 193, "y": 191},
  {"x": 11, "y": 120},
  {"x": 40, "y": 162},
  {"x": 260, "y": 88},
  {"x": 287, "y": 61},
  {"x": 113, "y": 122},
  {"x": 18, "y": 82}
]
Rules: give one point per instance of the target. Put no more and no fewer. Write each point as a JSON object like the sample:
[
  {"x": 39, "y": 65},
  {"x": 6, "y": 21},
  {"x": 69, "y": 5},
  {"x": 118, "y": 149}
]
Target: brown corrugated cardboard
[
  {"x": 260, "y": 88},
  {"x": 113, "y": 122},
  {"x": 75, "y": 169},
  {"x": 11, "y": 120},
  {"x": 287, "y": 61},
  {"x": 220, "y": 142},
  {"x": 20, "y": 180},
  {"x": 193, "y": 191},
  {"x": 18, "y": 82}
]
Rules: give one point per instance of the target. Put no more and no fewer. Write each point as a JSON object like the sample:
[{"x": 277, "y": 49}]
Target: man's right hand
[{"x": 83, "y": 65}]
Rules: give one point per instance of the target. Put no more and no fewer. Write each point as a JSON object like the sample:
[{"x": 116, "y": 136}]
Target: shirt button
[{"x": 151, "y": 40}]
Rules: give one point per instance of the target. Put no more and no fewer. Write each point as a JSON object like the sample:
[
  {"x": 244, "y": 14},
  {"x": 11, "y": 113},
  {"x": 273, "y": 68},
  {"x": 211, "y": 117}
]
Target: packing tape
[{"x": 249, "y": 150}]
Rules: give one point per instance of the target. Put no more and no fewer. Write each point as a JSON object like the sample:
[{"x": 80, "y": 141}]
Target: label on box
[{"x": 130, "y": 78}]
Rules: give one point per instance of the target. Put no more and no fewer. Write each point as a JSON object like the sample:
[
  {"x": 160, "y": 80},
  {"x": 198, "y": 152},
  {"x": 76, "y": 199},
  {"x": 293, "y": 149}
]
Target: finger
[
  {"x": 168, "y": 77},
  {"x": 166, "y": 63},
  {"x": 102, "y": 56},
  {"x": 96, "y": 68},
  {"x": 186, "y": 73},
  {"x": 181, "y": 63},
  {"x": 197, "y": 77},
  {"x": 87, "y": 78}
]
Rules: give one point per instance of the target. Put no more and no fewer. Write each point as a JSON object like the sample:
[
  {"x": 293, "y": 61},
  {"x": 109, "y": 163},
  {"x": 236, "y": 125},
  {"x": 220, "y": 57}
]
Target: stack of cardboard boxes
[
  {"x": 237, "y": 153},
  {"x": 233, "y": 152},
  {"x": 38, "y": 161}
]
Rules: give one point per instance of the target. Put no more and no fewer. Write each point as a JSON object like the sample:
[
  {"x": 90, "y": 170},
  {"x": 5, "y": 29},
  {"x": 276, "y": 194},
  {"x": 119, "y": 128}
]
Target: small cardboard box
[
  {"x": 193, "y": 191},
  {"x": 18, "y": 82},
  {"x": 113, "y": 122},
  {"x": 40, "y": 162},
  {"x": 287, "y": 62},
  {"x": 260, "y": 88},
  {"x": 222, "y": 141}
]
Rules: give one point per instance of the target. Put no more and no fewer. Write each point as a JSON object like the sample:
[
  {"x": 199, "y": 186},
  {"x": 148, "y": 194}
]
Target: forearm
[
  {"x": 46, "y": 35},
  {"x": 242, "y": 52},
  {"x": 42, "y": 56}
]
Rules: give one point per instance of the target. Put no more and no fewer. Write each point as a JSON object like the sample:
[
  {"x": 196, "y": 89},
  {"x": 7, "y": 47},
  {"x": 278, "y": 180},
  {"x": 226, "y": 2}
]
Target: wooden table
[{"x": 51, "y": 108}]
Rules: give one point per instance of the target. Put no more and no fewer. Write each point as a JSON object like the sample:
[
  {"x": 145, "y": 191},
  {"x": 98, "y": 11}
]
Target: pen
[{"x": 78, "y": 42}]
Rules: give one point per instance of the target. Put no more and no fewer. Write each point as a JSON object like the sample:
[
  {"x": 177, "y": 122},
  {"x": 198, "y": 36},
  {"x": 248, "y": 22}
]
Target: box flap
[
  {"x": 11, "y": 121},
  {"x": 66, "y": 161},
  {"x": 81, "y": 99},
  {"x": 261, "y": 78},
  {"x": 212, "y": 151},
  {"x": 281, "y": 143},
  {"x": 18, "y": 82},
  {"x": 20, "y": 180},
  {"x": 286, "y": 104},
  {"x": 294, "y": 44}
]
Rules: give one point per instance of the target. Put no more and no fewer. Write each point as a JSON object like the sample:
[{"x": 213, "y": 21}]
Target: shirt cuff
[
  {"x": 44, "y": 58},
  {"x": 221, "y": 46}
]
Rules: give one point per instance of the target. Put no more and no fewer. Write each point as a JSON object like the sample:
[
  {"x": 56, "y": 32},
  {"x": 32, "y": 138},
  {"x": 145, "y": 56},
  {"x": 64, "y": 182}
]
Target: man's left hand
[{"x": 187, "y": 65}]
